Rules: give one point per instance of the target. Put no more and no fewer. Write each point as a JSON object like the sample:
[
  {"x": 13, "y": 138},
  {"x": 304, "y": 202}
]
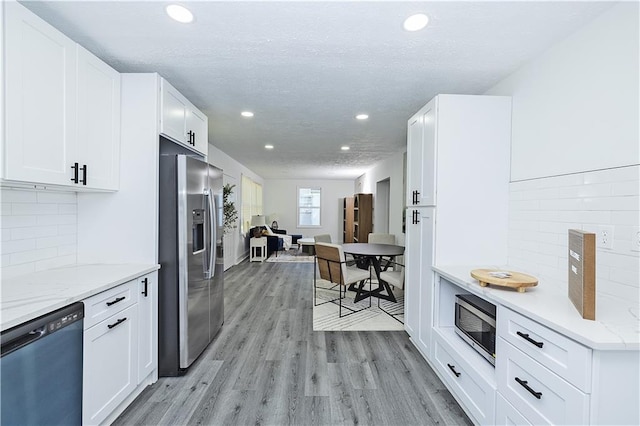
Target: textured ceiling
[{"x": 307, "y": 68}]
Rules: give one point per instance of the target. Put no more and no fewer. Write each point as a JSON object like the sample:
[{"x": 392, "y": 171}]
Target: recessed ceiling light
[
  {"x": 416, "y": 22},
  {"x": 362, "y": 116},
  {"x": 268, "y": 147},
  {"x": 345, "y": 148},
  {"x": 246, "y": 114},
  {"x": 179, "y": 13}
]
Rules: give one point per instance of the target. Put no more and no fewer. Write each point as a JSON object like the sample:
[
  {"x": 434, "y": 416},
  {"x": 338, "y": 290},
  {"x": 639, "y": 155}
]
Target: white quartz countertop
[
  {"x": 617, "y": 324},
  {"x": 29, "y": 296}
]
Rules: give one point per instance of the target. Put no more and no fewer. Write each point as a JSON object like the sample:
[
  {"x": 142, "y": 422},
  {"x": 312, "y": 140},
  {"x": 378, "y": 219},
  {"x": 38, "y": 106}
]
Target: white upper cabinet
[
  {"x": 62, "y": 108},
  {"x": 421, "y": 155},
  {"x": 41, "y": 101},
  {"x": 98, "y": 121},
  {"x": 181, "y": 121},
  {"x": 197, "y": 124}
]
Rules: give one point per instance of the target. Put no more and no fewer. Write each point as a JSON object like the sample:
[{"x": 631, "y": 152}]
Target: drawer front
[
  {"x": 565, "y": 357},
  {"x": 476, "y": 394},
  {"x": 507, "y": 415},
  {"x": 101, "y": 306},
  {"x": 540, "y": 395}
]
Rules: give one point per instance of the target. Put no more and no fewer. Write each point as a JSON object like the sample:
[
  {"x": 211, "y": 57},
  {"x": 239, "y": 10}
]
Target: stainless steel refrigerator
[{"x": 191, "y": 300}]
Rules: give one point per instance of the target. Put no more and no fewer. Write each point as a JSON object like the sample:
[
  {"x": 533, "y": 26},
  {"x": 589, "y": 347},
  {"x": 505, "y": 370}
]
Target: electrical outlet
[
  {"x": 635, "y": 239},
  {"x": 604, "y": 237}
]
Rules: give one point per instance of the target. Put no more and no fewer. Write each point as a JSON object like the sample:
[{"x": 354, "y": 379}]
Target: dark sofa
[{"x": 274, "y": 244}]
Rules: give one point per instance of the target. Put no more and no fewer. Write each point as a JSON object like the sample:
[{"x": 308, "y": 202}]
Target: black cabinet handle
[
  {"x": 416, "y": 217},
  {"x": 453, "y": 368},
  {"x": 144, "y": 292},
  {"x": 74, "y": 179},
  {"x": 117, "y": 323},
  {"x": 416, "y": 196},
  {"x": 524, "y": 384},
  {"x": 116, "y": 300},
  {"x": 529, "y": 339},
  {"x": 84, "y": 174},
  {"x": 192, "y": 137}
]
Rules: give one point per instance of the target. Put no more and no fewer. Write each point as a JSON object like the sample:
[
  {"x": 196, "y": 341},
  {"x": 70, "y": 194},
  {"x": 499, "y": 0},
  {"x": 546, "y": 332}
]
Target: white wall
[
  {"x": 392, "y": 169},
  {"x": 280, "y": 197},
  {"x": 575, "y": 108},
  {"x": 38, "y": 230},
  {"x": 235, "y": 170},
  {"x": 574, "y": 146}
]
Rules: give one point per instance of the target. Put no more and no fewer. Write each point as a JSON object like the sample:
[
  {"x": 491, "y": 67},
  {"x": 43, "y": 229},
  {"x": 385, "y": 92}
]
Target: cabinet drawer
[
  {"x": 540, "y": 395},
  {"x": 563, "y": 356},
  {"x": 506, "y": 414},
  {"x": 475, "y": 393},
  {"x": 101, "y": 306}
]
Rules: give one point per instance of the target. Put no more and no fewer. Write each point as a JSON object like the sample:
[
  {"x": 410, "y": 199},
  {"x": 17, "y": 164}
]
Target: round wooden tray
[{"x": 517, "y": 280}]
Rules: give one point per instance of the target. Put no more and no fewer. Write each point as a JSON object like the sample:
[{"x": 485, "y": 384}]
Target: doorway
[{"x": 381, "y": 208}]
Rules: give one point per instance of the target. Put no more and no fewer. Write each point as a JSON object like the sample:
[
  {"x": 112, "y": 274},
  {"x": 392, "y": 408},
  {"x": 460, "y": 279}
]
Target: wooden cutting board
[{"x": 517, "y": 280}]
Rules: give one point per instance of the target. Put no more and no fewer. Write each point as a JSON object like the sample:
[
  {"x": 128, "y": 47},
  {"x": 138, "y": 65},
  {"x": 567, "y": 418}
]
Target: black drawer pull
[
  {"x": 145, "y": 292},
  {"x": 117, "y": 299},
  {"x": 453, "y": 368},
  {"x": 524, "y": 384},
  {"x": 529, "y": 339},
  {"x": 117, "y": 323}
]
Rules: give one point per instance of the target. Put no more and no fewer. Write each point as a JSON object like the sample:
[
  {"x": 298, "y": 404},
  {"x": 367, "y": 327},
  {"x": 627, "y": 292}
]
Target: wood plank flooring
[{"x": 268, "y": 367}]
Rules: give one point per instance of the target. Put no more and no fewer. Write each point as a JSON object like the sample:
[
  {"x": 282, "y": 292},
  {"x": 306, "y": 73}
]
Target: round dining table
[{"x": 374, "y": 252}]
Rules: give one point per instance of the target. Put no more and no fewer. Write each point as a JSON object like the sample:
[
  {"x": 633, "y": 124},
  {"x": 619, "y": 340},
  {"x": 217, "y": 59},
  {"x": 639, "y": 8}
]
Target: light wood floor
[{"x": 268, "y": 367}]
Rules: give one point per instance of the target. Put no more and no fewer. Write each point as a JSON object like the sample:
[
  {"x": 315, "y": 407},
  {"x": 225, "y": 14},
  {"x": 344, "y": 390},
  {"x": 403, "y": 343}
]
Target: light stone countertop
[
  {"x": 617, "y": 324},
  {"x": 29, "y": 296}
]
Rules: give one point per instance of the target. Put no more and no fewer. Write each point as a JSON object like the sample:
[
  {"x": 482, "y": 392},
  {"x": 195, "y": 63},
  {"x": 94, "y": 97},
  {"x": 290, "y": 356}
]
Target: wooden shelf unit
[
  {"x": 362, "y": 217},
  {"x": 347, "y": 220}
]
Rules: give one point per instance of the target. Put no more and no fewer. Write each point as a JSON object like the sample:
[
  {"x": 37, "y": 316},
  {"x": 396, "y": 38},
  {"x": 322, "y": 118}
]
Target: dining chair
[
  {"x": 322, "y": 238},
  {"x": 332, "y": 265},
  {"x": 379, "y": 238},
  {"x": 395, "y": 277}
]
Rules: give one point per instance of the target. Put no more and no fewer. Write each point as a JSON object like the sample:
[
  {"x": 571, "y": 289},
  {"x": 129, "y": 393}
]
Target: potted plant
[{"x": 229, "y": 209}]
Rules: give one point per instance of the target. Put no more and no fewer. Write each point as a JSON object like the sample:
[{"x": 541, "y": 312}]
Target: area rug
[
  {"x": 292, "y": 255},
  {"x": 325, "y": 316}
]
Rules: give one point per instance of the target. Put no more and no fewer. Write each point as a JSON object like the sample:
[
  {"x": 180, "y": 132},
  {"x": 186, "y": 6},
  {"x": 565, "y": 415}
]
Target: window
[
  {"x": 251, "y": 202},
  {"x": 309, "y": 207}
]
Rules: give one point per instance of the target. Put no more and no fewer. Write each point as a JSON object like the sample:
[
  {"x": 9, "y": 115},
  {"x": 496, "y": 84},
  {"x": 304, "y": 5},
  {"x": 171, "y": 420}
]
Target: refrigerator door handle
[{"x": 211, "y": 269}]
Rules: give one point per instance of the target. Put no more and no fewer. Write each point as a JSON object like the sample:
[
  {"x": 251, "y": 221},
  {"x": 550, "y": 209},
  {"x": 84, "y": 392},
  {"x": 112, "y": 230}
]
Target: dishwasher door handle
[{"x": 23, "y": 340}]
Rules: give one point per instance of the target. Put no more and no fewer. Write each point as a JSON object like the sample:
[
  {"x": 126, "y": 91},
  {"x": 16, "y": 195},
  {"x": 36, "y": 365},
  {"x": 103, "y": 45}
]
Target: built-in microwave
[{"x": 475, "y": 322}]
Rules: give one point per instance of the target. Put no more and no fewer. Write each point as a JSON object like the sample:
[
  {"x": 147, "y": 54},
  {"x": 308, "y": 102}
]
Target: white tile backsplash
[
  {"x": 39, "y": 230},
  {"x": 541, "y": 211}
]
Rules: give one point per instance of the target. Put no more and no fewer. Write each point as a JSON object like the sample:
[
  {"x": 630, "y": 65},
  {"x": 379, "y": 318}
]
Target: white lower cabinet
[
  {"x": 110, "y": 364},
  {"x": 120, "y": 347},
  {"x": 540, "y": 395},
  {"x": 507, "y": 415},
  {"x": 470, "y": 388},
  {"x": 148, "y": 325}
]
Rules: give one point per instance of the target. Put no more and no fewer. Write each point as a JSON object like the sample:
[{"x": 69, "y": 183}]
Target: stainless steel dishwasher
[{"x": 41, "y": 367}]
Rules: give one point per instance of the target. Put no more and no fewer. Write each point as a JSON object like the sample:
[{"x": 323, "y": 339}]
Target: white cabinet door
[
  {"x": 181, "y": 121},
  {"x": 110, "y": 364},
  {"x": 419, "y": 276},
  {"x": 421, "y": 157},
  {"x": 174, "y": 109},
  {"x": 98, "y": 122},
  {"x": 147, "y": 287},
  {"x": 40, "y": 83},
  {"x": 197, "y": 130}
]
